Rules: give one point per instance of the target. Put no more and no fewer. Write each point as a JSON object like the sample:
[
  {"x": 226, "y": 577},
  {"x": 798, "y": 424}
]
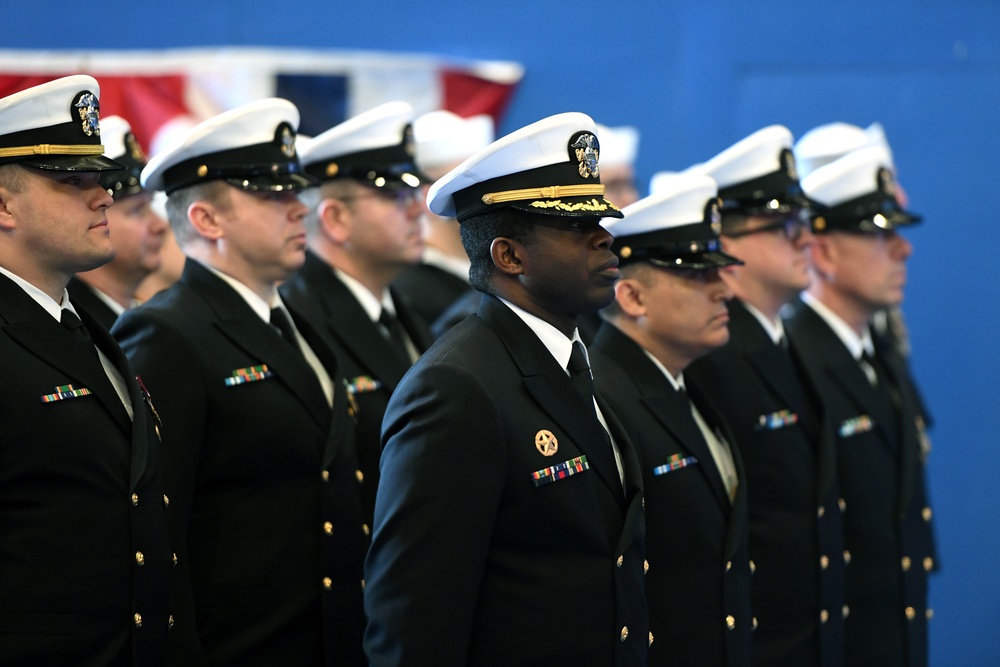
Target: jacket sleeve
[{"x": 442, "y": 479}]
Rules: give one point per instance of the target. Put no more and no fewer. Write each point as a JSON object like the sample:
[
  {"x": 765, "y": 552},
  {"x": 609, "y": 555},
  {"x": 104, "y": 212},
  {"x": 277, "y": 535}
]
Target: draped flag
[{"x": 162, "y": 93}]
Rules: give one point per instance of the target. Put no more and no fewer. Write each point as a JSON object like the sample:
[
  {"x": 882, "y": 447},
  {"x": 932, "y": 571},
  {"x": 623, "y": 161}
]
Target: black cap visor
[
  {"x": 701, "y": 261},
  {"x": 272, "y": 182},
  {"x": 70, "y": 163}
]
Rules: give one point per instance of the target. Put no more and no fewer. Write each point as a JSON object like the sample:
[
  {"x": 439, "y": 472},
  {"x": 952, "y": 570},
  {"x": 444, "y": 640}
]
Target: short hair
[
  {"x": 638, "y": 271},
  {"x": 312, "y": 197},
  {"x": 12, "y": 177},
  {"x": 179, "y": 201},
  {"x": 478, "y": 233}
]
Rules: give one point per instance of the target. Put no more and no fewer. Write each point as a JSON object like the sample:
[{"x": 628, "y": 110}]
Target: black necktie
[
  {"x": 397, "y": 335},
  {"x": 280, "y": 320},
  {"x": 580, "y": 375},
  {"x": 69, "y": 320},
  {"x": 869, "y": 367}
]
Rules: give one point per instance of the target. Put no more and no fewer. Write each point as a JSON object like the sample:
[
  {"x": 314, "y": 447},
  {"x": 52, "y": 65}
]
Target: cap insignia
[
  {"x": 787, "y": 160},
  {"x": 886, "y": 183},
  {"x": 587, "y": 150},
  {"x": 408, "y": 141},
  {"x": 133, "y": 148},
  {"x": 88, "y": 108},
  {"x": 287, "y": 141},
  {"x": 715, "y": 217}
]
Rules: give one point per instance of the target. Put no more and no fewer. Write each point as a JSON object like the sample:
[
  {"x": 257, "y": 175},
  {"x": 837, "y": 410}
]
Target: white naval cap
[
  {"x": 121, "y": 145},
  {"x": 678, "y": 227},
  {"x": 824, "y": 144},
  {"x": 619, "y": 145},
  {"x": 251, "y": 147},
  {"x": 443, "y": 138},
  {"x": 662, "y": 180},
  {"x": 374, "y": 148},
  {"x": 857, "y": 193},
  {"x": 54, "y": 126},
  {"x": 550, "y": 167},
  {"x": 757, "y": 175}
]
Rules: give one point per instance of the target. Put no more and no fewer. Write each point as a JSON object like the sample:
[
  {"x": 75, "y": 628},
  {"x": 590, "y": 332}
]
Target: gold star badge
[{"x": 546, "y": 443}]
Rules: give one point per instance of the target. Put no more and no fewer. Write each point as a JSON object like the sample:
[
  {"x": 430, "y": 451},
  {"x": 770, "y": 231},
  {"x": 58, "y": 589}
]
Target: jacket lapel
[
  {"x": 768, "y": 361},
  {"x": 139, "y": 423},
  {"x": 738, "y": 517},
  {"x": 669, "y": 407},
  {"x": 341, "y": 398},
  {"x": 844, "y": 372},
  {"x": 238, "y": 322},
  {"x": 38, "y": 332},
  {"x": 415, "y": 327},
  {"x": 908, "y": 404},
  {"x": 348, "y": 322},
  {"x": 552, "y": 390}
]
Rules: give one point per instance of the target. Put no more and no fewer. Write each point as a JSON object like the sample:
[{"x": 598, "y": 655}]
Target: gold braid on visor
[
  {"x": 52, "y": 149},
  {"x": 550, "y": 192}
]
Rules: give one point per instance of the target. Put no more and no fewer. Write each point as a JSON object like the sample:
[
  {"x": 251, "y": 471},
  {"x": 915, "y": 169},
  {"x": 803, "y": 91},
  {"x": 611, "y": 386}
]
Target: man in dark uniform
[
  {"x": 508, "y": 526},
  {"x": 85, "y": 563},
  {"x": 796, "y": 536},
  {"x": 442, "y": 140},
  {"x": 364, "y": 228},
  {"x": 669, "y": 309},
  {"x": 259, "y": 455},
  {"x": 859, "y": 264},
  {"x": 824, "y": 144},
  {"x": 137, "y": 232}
]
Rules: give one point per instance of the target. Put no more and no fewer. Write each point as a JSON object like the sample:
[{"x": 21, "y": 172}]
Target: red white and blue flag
[{"x": 162, "y": 93}]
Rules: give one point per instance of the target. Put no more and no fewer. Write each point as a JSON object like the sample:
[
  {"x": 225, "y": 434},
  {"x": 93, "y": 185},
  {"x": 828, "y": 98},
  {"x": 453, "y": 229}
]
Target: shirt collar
[
  {"x": 369, "y": 302},
  {"x": 676, "y": 382},
  {"x": 774, "y": 329},
  {"x": 257, "y": 304},
  {"x": 41, "y": 298},
  {"x": 554, "y": 340},
  {"x": 115, "y": 307},
  {"x": 854, "y": 343}
]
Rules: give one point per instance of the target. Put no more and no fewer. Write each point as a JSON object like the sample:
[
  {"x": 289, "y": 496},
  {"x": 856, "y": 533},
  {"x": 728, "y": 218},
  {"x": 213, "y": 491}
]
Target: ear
[
  {"x": 334, "y": 220},
  {"x": 630, "y": 298},
  {"x": 7, "y": 222},
  {"x": 823, "y": 256},
  {"x": 205, "y": 219},
  {"x": 507, "y": 256}
]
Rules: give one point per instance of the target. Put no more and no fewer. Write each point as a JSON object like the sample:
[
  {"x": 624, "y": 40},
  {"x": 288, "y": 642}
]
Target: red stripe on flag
[
  {"x": 146, "y": 102},
  {"x": 468, "y": 95}
]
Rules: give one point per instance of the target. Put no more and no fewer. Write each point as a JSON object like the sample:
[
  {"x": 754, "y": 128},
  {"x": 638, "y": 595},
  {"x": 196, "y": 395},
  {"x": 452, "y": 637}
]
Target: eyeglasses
[
  {"x": 401, "y": 197},
  {"x": 792, "y": 228}
]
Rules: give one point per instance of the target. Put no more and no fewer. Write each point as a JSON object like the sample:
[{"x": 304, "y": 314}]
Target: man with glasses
[
  {"x": 364, "y": 229},
  {"x": 796, "y": 539},
  {"x": 859, "y": 264},
  {"x": 443, "y": 140}
]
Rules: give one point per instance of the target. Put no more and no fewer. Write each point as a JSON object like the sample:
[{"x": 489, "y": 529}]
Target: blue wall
[{"x": 696, "y": 77}]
